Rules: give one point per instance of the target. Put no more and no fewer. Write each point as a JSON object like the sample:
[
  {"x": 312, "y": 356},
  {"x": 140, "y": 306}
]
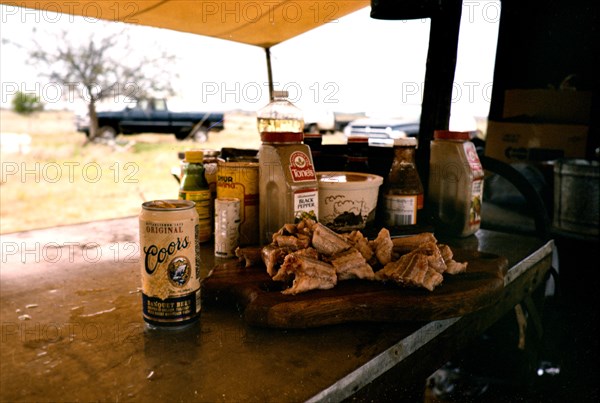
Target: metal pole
[{"x": 269, "y": 72}]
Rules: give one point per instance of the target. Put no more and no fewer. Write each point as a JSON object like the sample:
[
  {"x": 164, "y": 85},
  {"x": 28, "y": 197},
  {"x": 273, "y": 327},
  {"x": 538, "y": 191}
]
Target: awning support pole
[{"x": 269, "y": 72}]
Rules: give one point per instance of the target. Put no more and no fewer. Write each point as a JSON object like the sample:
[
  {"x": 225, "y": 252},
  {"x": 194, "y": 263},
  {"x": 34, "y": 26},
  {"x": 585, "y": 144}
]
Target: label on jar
[
  {"x": 240, "y": 180},
  {"x": 227, "y": 222},
  {"x": 203, "y": 201},
  {"x": 401, "y": 209},
  {"x": 473, "y": 158},
  {"x": 301, "y": 167},
  {"x": 475, "y": 208},
  {"x": 306, "y": 204}
]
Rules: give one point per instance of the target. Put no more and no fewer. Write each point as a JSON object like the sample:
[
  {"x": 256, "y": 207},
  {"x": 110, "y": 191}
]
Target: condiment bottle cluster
[{"x": 244, "y": 202}]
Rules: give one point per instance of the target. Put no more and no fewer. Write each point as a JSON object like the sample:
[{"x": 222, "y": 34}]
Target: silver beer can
[
  {"x": 227, "y": 226},
  {"x": 169, "y": 256}
]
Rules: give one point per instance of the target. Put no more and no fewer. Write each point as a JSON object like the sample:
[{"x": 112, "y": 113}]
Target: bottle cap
[
  {"x": 280, "y": 94},
  {"x": 450, "y": 135},
  {"x": 194, "y": 156},
  {"x": 405, "y": 142}
]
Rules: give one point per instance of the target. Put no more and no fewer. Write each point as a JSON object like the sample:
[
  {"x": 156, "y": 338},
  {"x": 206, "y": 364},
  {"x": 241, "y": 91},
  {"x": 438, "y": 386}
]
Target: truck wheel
[
  {"x": 182, "y": 135},
  {"x": 106, "y": 133},
  {"x": 199, "y": 134}
]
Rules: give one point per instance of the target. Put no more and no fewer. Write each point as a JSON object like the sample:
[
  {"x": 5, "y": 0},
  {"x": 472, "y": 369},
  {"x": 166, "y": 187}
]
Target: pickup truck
[
  {"x": 327, "y": 122},
  {"x": 153, "y": 116}
]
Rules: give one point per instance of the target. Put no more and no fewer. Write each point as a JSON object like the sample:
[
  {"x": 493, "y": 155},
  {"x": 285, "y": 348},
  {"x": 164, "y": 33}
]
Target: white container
[
  {"x": 347, "y": 200},
  {"x": 455, "y": 184},
  {"x": 227, "y": 226}
]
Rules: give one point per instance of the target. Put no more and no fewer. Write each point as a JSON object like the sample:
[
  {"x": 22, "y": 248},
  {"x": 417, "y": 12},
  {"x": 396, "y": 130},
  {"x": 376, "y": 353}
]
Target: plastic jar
[{"x": 455, "y": 184}]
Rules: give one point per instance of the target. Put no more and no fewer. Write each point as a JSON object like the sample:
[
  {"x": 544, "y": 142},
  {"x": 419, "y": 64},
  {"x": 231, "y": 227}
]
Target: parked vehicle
[
  {"x": 319, "y": 122},
  {"x": 153, "y": 116},
  {"x": 328, "y": 122},
  {"x": 382, "y": 131}
]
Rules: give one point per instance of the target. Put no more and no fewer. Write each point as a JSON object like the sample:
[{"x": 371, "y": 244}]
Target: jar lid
[
  {"x": 194, "y": 156},
  {"x": 281, "y": 137},
  {"x": 450, "y": 135},
  {"x": 405, "y": 142}
]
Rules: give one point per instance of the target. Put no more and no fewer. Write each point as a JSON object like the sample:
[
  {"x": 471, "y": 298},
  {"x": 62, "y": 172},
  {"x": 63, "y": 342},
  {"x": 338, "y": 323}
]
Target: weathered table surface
[{"x": 72, "y": 329}]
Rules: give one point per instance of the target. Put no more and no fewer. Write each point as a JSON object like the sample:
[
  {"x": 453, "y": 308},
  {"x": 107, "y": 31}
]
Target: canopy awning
[{"x": 263, "y": 23}]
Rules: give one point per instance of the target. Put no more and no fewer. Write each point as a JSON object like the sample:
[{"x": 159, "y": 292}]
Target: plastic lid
[
  {"x": 405, "y": 142},
  {"x": 280, "y": 94},
  {"x": 194, "y": 156},
  {"x": 450, "y": 135}
]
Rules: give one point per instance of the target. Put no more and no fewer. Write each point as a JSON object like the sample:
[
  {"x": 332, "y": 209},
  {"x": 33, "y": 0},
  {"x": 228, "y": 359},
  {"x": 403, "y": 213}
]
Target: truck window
[
  {"x": 160, "y": 105},
  {"x": 142, "y": 104}
]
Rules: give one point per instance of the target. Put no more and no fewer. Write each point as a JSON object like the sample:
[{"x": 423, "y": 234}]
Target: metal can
[
  {"x": 239, "y": 179},
  {"x": 227, "y": 223},
  {"x": 169, "y": 255}
]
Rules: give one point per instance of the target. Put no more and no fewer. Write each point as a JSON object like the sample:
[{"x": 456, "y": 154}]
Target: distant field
[{"x": 59, "y": 181}]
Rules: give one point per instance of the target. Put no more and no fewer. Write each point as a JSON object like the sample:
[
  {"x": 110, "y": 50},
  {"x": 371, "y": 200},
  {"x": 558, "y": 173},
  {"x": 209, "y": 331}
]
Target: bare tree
[{"x": 104, "y": 66}]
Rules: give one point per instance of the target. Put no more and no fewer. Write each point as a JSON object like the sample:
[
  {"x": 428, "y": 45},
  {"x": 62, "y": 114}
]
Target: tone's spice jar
[{"x": 170, "y": 268}]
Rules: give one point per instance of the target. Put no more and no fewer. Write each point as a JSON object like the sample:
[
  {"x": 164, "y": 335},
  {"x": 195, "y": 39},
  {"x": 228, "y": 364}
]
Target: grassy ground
[{"x": 60, "y": 181}]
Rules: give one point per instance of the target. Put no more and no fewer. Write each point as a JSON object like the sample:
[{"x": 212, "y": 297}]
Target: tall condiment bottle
[
  {"x": 403, "y": 190},
  {"x": 194, "y": 187},
  {"x": 357, "y": 159},
  {"x": 455, "y": 184},
  {"x": 314, "y": 140},
  {"x": 288, "y": 188}
]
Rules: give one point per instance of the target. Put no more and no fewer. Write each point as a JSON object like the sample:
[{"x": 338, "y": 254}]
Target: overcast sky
[{"x": 356, "y": 64}]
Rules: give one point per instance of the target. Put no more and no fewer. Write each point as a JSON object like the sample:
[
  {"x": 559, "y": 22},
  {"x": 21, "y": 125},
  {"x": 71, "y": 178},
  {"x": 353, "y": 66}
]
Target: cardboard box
[
  {"x": 518, "y": 142},
  {"x": 548, "y": 106}
]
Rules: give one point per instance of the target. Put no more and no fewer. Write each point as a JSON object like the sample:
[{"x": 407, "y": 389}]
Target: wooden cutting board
[{"x": 263, "y": 304}]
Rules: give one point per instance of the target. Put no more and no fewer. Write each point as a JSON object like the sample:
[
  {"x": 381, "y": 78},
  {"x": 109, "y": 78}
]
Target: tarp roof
[{"x": 261, "y": 23}]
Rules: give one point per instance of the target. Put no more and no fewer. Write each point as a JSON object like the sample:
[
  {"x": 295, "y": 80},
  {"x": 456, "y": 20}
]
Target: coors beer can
[{"x": 169, "y": 254}]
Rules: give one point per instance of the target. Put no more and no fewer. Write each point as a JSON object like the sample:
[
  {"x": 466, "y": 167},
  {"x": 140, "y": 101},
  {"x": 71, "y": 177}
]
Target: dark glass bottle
[
  {"x": 403, "y": 190},
  {"x": 315, "y": 142},
  {"x": 358, "y": 154}
]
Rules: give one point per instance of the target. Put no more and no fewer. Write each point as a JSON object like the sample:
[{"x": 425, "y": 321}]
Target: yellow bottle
[{"x": 194, "y": 187}]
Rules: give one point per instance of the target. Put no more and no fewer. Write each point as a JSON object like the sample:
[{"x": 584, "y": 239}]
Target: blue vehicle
[{"x": 153, "y": 116}]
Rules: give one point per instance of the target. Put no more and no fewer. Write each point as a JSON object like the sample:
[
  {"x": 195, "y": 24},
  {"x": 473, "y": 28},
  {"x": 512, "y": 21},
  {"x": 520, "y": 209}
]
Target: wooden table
[{"x": 72, "y": 330}]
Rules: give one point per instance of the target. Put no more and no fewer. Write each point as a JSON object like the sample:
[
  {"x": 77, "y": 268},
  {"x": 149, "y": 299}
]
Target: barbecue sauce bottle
[
  {"x": 288, "y": 188},
  {"x": 403, "y": 190}
]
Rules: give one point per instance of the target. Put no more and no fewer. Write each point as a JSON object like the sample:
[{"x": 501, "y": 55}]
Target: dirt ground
[{"x": 50, "y": 177}]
